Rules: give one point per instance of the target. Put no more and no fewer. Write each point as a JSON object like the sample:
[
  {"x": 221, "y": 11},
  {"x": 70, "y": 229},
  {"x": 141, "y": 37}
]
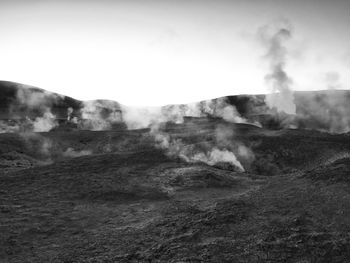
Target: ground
[{"x": 129, "y": 201}]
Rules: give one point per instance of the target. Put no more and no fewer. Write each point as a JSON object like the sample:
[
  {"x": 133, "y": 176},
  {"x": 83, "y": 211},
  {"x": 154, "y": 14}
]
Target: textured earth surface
[{"x": 113, "y": 196}]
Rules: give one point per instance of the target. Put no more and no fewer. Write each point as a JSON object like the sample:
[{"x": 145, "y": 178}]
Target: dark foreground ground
[{"x": 123, "y": 200}]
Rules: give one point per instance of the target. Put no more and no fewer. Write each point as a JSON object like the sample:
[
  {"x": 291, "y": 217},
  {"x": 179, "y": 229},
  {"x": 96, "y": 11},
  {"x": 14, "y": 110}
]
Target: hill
[
  {"x": 317, "y": 110},
  {"x": 117, "y": 196},
  {"x": 198, "y": 188}
]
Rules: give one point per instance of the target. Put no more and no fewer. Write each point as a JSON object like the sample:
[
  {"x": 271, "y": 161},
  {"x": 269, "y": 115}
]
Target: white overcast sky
[{"x": 155, "y": 52}]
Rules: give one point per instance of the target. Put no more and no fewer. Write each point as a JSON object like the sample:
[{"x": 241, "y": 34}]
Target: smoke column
[{"x": 274, "y": 38}]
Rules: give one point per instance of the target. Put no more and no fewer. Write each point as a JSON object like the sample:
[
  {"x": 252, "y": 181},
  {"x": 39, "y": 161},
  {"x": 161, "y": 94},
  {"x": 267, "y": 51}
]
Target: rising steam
[
  {"x": 45, "y": 123},
  {"x": 155, "y": 117},
  {"x": 274, "y": 38},
  {"x": 136, "y": 118},
  {"x": 70, "y": 152},
  {"x": 224, "y": 149},
  {"x": 38, "y": 102},
  {"x": 99, "y": 115}
]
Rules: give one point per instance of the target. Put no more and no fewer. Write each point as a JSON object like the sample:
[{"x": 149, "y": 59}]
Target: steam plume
[
  {"x": 274, "y": 38},
  {"x": 45, "y": 123},
  {"x": 99, "y": 115},
  {"x": 220, "y": 152},
  {"x": 40, "y": 103},
  {"x": 136, "y": 118},
  {"x": 70, "y": 152},
  {"x": 69, "y": 113}
]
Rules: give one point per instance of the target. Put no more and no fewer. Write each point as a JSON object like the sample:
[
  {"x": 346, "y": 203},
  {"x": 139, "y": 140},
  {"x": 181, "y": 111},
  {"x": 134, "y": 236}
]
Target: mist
[
  {"x": 70, "y": 152},
  {"x": 99, "y": 115},
  {"x": 274, "y": 38}
]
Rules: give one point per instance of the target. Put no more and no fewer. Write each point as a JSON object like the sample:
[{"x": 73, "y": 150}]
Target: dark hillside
[
  {"x": 144, "y": 206},
  {"x": 320, "y": 110},
  {"x": 204, "y": 190}
]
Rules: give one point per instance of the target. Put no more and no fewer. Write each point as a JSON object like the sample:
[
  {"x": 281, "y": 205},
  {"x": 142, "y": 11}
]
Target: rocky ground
[{"x": 115, "y": 197}]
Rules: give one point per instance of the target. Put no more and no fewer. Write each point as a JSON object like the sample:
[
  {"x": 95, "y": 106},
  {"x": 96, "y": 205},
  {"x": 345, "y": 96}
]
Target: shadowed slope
[
  {"x": 271, "y": 152},
  {"x": 127, "y": 191},
  {"x": 144, "y": 206}
]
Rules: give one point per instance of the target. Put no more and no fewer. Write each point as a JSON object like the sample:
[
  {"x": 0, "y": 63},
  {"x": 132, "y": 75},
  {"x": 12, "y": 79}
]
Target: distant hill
[
  {"x": 20, "y": 101},
  {"x": 327, "y": 110}
]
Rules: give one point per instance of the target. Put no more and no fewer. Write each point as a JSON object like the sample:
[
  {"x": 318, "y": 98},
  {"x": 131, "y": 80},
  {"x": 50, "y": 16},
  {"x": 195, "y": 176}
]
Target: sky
[{"x": 157, "y": 52}]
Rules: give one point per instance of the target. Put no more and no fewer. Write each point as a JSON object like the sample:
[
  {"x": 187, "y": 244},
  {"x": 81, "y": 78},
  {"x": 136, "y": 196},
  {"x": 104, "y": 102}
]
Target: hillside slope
[
  {"x": 202, "y": 189},
  {"x": 144, "y": 206},
  {"x": 320, "y": 110},
  {"x": 119, "y": 197}
]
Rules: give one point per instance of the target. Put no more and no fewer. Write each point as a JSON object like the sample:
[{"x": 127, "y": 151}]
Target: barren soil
[{"x": 128, "y": 201}]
